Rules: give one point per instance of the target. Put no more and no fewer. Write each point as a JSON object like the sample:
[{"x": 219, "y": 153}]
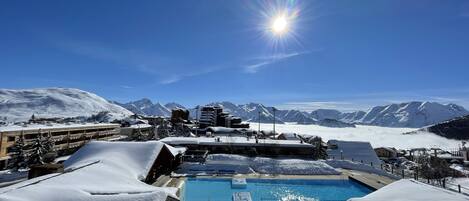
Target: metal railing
[{"x": 405, "y": 173}]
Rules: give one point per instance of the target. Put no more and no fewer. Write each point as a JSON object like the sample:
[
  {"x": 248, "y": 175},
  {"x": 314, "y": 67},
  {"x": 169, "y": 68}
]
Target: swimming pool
[{"x": 197, "y": 189}]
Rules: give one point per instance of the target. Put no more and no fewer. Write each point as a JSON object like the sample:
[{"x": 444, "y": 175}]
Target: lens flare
[{"x": 280, "y": 25}]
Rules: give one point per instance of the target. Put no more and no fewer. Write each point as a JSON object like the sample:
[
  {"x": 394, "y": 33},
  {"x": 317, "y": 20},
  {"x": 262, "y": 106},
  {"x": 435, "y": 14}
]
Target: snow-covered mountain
[
  {"x": 411, "y": 114},
  {"x": 20, "y": 105},
  {"x": 321, "y": 114},
  {"x": 146, "y": 107},
  {"x": 173, "y": 105}
]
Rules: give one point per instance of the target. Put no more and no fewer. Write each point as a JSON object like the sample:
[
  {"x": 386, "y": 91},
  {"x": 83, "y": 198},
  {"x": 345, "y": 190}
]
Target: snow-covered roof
[
  {"x": 218, "y": 129},
  {"x": 98, "y": 171},
  {"x": 140, "y": 126},
  {"x": 289, "y": 136},
  {"x": 411, "y": 190},
  {"x": 237, "y": 164},
  {"x": 53, "y": 126},
  {"x": 176, "y": 150},
  {"x": 390, "y": 149},
  {"x": 358, "y": 151},
  {"x": 240, "y": 141}
]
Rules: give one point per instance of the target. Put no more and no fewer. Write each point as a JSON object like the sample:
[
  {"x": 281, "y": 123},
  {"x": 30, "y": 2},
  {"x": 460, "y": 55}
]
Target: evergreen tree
[
  {"x": 139, "y": 136},
  {"x": 320, "y": 151},
  {"x": 18, "y": 157},
  {"x": 40, "y": 147}
]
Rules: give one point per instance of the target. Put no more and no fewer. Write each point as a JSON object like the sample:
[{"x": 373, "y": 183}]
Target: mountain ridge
[
  {"x": 414, "y": 114},
  {"x": 20, "y": 105}
]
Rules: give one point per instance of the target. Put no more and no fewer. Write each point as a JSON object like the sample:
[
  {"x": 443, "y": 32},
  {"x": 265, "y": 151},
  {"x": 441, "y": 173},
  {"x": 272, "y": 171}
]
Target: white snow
[
  {"x": 141, "y": 126},
  {"x": 463, "y": 181},
  {"x": 110, "y": 171},
  {"x": 237, "y": 164},
  {"x": 411, "y": 114},
  {"x": 52, "y": 126},
  {"x": 20, "y": 105},
  {"x": 377, "y": 136},
  {"x": 353, "y": 150},
  {"x": 226, "y": 140},
  {"x": 411, "y": 190},
  {"x": 353, "y": 165}
]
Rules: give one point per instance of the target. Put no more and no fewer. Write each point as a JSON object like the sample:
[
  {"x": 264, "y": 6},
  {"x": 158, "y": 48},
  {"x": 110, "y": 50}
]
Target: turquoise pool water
[{"x": 275, "y": 189}]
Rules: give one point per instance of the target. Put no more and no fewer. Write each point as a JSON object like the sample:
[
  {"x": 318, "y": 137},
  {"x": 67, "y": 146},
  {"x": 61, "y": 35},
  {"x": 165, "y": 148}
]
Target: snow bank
[
  {"x": 226, "y": 163},
  {"x": 411, "y": 190},
  {"x": 110, "y": 171}
]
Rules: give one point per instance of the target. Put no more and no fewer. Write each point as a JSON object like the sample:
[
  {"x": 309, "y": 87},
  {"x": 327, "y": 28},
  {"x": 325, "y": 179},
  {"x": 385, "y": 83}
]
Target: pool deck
[{"x": 373, "y": 181}]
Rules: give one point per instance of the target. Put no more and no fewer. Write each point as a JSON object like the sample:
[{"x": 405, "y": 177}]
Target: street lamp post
[
  {"x": 274, "y": 120},
  {"x": 259, "y": 125}
]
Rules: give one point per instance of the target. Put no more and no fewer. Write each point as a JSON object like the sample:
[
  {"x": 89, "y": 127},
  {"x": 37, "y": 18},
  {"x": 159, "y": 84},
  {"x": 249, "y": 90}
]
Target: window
[{"x": 11, "y": 138}]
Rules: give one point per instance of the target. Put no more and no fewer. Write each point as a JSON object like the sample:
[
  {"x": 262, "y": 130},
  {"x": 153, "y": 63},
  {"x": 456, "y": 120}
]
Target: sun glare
[{"x": 280, "y": 25}]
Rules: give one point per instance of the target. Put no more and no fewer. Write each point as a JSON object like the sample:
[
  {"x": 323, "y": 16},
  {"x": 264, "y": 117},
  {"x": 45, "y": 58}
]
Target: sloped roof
[
  {"x": 411, "y": 190},
  {"x": 111, "y": 171},
  {"x": 358, "y": 151}
]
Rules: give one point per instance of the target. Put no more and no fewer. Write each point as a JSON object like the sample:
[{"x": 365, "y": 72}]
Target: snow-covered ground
[
  {"x": 463, "y": 181},
  {"x": 377, "y": 136}
]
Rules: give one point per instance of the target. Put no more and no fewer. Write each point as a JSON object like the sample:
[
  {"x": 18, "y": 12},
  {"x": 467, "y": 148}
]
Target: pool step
[
  {"x": 239, "y": 183},
  {"x": 242, "y": 196}
]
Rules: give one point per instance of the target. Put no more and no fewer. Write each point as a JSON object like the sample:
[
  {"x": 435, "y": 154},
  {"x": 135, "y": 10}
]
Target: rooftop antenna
[{"x": 197, "y": 120}]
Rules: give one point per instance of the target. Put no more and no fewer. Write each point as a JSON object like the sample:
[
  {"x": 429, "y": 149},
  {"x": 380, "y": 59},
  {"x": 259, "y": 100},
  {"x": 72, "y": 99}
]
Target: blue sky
[{"x": 336, "y": 54}]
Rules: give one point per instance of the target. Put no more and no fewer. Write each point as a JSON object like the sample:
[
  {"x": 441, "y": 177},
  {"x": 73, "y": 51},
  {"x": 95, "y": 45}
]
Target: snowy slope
[
  {"x": 457, "y": 128},
  {"x": 20, "y": 105}
]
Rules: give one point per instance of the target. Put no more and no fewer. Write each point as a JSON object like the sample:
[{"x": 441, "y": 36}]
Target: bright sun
[{"x": 280, "y": 24}]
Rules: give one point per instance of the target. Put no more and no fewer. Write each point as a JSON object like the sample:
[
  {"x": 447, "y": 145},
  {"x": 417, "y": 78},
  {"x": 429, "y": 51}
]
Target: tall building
[
  {"x": 214, "y": 116},
  {"x": 208, "y": 116}
]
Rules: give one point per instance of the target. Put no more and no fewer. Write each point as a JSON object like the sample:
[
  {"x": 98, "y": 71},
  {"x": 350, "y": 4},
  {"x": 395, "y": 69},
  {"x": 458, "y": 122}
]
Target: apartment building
[{"x": 67, "y": 138}]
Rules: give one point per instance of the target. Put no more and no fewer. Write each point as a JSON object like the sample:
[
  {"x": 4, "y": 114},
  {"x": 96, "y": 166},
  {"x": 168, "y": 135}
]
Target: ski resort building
[
  {"x": 66, "y": 137},
  {"x": 214, "y": 116},
  {"x": 138, "y": 130}
]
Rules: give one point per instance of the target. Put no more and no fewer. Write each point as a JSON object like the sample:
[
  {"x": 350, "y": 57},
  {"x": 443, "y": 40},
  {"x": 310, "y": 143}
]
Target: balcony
[
  {"x": 76, "y": 144},
  {"x": 75, "y": 136}
]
